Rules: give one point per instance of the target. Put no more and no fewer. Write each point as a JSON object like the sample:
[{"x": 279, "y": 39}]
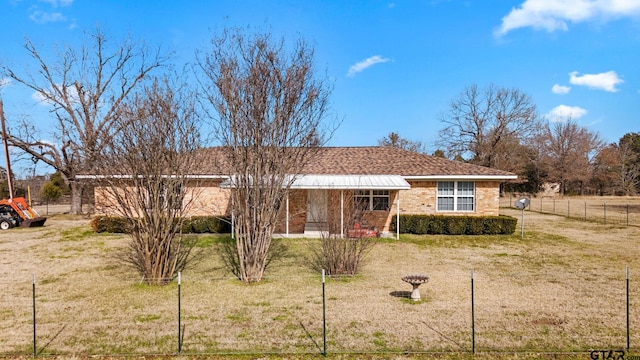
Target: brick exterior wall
[
  {"x": 488, "y": 198},
  {"x": 209, "y": 199},
  {"x": 421, "y": 199},
  {"x": 297, "y": 213}
]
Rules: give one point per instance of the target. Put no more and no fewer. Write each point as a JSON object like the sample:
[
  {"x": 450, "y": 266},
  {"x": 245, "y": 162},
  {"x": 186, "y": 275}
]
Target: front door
[{"x": 317, "y": 206}]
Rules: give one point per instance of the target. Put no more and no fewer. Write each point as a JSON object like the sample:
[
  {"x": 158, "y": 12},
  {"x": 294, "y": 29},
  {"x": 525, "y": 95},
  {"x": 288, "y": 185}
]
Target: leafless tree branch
[
  {"x": 85, "y": 88},
  {"x": 270, "y": 110},
  {"x": 144, "y": 177}
]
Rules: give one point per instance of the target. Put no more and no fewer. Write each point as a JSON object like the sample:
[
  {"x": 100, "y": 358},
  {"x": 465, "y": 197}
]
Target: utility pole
[{"x": 6, "y": 150}]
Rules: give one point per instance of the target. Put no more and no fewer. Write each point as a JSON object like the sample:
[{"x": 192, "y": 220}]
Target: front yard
[{"x": 561, "y": 289}]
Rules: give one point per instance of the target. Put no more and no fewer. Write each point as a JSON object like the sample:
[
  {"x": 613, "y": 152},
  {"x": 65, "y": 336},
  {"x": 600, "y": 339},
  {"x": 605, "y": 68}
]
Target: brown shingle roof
[
  {"x": 371, "y": 160},
  {"x": 390, "y": 160}
]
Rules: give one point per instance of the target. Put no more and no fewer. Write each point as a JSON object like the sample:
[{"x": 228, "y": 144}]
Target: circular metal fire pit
[{"x": 415, "y": 280}]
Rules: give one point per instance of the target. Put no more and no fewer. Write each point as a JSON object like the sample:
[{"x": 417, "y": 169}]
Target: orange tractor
[{"x": 16, "y": 212}]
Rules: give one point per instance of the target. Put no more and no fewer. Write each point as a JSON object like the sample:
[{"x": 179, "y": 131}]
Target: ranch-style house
[{"x": 383, "y": 181}]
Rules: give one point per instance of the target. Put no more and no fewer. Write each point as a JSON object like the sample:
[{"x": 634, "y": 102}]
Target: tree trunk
[{"x": 76, "y": 197}]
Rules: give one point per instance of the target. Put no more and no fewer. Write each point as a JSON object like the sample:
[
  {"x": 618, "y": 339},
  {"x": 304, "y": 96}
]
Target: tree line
[{"x": 499, "y": 128}]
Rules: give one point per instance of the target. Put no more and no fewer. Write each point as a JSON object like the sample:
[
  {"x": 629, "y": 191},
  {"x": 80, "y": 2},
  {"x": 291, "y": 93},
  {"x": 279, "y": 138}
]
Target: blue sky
[{"x": 395, "y": 65}]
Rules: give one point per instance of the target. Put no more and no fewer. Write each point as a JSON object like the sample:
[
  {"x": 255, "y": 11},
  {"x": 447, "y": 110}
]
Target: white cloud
[
  {"x": 5, "y": 82},
  {"x": 42, "y": 100},
  {"x": 38, "y": 97},
  {"x": 552, "y": 15},
  {"x": 565, "y": 112},
  {"x": 43, "y": 17},
  {"x": 606, "y": 81},
  {"x": 40, "y": 16},
  {"x": 362, "y": 65},
  {"x": 560, "y": 89},
  {"x": 56, "y": 3}
]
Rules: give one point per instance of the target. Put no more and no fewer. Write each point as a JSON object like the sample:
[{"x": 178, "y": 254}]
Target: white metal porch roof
[{"x": 370, "y": 182}]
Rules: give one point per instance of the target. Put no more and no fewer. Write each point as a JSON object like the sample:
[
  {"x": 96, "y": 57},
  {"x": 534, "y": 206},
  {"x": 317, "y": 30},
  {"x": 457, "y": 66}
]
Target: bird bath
[{"x": 415, "y": 280}]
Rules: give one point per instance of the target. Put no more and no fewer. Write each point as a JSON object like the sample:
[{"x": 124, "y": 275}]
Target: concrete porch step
[{"x": 315, "y": 229}]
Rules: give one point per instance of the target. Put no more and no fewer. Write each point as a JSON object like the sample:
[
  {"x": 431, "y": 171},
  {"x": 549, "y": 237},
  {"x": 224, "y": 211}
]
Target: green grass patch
[
  {"x": 208, "y": 240},
  {"x": 147, "y": 318},
  {"x": 481, "y": 241},
  {"x": 169, "y": 287},
  {"x": 379, "y": 339},
  {"x": 239, "y": 316},
  {"x": 76, "y": 233}
]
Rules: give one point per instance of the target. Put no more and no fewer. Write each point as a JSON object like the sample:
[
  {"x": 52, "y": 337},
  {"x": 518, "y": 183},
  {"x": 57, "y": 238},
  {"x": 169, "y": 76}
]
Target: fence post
[
  {"x": 324, "y": 319},
  {"x": 628, "y": 333},
  {"x": 604, "y": 206},
  {"x": 585, "y": 210},
  {"x": 522, "y": 225},
  {"x": 33, "y": 296},
  {"x": 179, "y": 315},
  {"x": 473, "y": 318}
]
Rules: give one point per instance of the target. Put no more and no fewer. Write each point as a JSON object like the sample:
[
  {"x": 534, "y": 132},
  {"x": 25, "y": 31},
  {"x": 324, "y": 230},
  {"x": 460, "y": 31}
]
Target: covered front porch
[{"x": 319, "y": 205}]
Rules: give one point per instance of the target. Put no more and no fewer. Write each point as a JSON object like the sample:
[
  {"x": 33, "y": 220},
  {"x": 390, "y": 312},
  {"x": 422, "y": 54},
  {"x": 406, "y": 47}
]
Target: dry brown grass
[
  {"x": 620, "y": 210},
  {"x": 562, "y": 288}
]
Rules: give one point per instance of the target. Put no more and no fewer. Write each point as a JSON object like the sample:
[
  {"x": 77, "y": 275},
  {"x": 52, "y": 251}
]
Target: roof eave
[
  {"x": 120, "y": 176},
  {"x": 350, "y": 187},
  {"x": 461, "y": 177}
]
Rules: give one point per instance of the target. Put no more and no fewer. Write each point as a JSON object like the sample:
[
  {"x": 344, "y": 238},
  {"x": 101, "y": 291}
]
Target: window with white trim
[
  {"x": 456, "y": 196},
  {"x": 164, "y": 196},
  {"x": 371, "y": 199}
]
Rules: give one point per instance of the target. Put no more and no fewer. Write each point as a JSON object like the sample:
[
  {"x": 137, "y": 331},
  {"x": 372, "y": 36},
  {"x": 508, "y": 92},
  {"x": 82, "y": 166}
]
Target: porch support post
[
  {"x": 233, "y": 218},
  {"x": 398, "y": 216},
  {"x": 287, "y": 220},
  {"x": 341, "y": 214}
]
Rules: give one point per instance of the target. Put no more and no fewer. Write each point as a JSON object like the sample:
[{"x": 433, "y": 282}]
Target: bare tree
[
  {"x": 630, "y": 155},
  {"x": 535, "y": 162},
  {"x": 339, "y": 252},
  {"x": 571, "y": 150},
  {"x": 145, "y": 177},
  {"x": 629, "y": 146},
  {"x": 484, "y": 126},
  {"x": 395, "y": 140},
  {"x": 270, "y": 108},
  {"x": 617, "y": 169},
  {"x": 84, "y": 87}
]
